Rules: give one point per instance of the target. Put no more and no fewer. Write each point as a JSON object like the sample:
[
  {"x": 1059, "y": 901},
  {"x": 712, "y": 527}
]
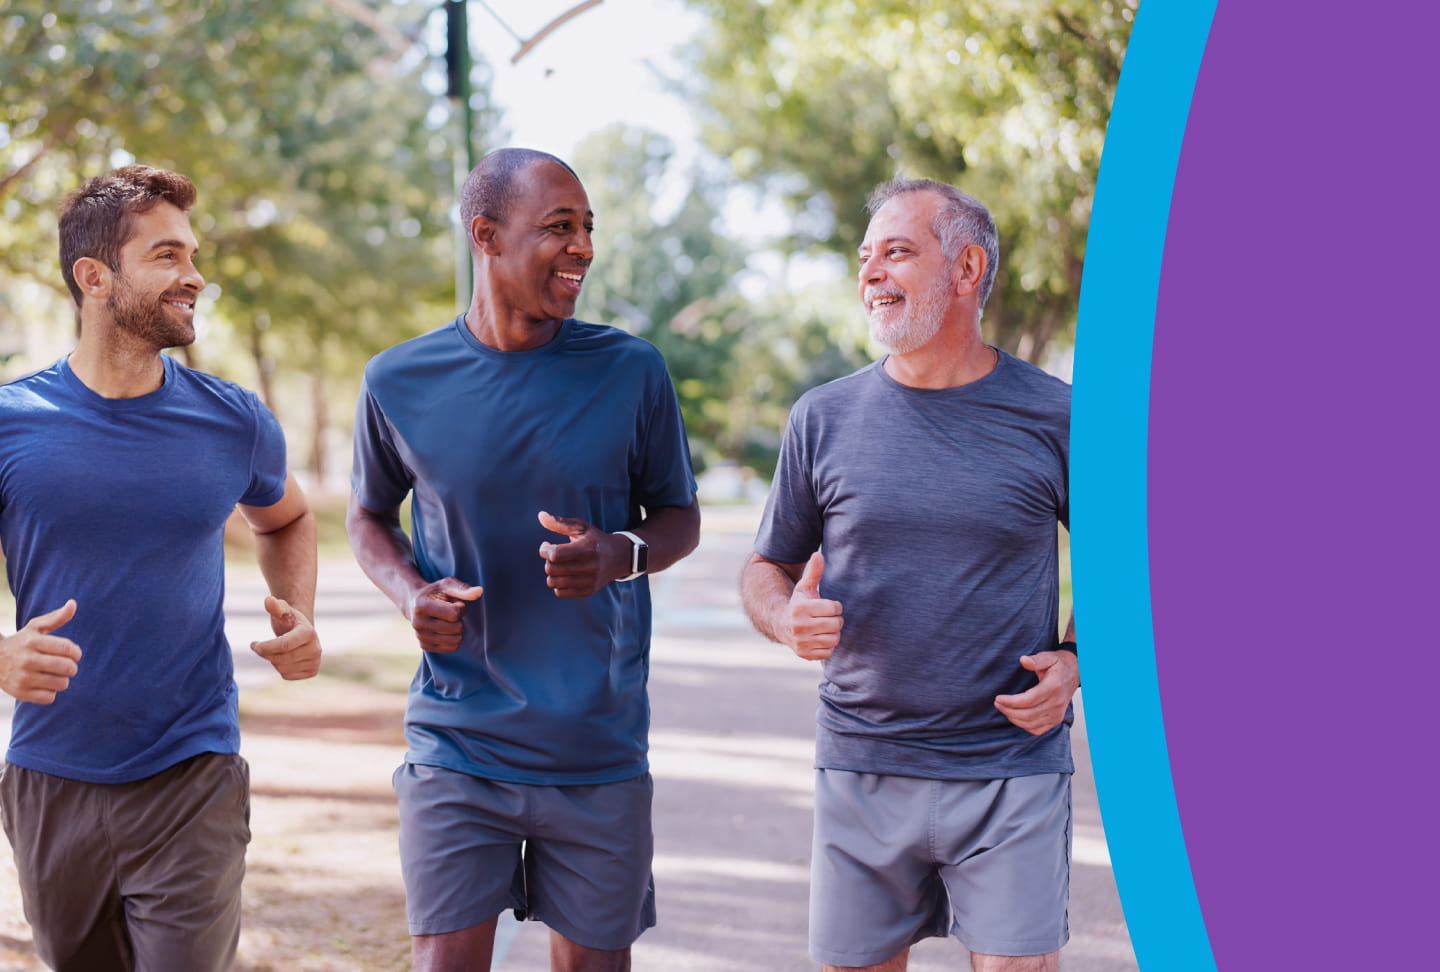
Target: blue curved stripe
[{"x": 1108, "y": 485}]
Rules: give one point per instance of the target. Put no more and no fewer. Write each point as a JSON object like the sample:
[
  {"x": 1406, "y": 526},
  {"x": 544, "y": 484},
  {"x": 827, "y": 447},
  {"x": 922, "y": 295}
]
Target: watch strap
[{"x": 636, "y": 545}]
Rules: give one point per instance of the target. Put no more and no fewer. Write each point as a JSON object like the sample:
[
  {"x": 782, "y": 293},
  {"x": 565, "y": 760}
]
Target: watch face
[{"x": 642, "y": 558}]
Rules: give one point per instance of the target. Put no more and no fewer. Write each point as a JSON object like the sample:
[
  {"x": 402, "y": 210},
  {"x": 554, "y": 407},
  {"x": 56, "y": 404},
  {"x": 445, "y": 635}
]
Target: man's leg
[
  {"x": 1006, "y": 846},
  {"x": 180, "y": 839},
  {"x": 566, "y": 956},
  {"x": 873, "y": 887},
  {"x": 460, "y": 838},
  {"x": 467, "y": 950},
  {"x": 67, "y": 880},
  {"x": 897, "y": 964},
  {"x": 1015, "y": 963},
  {"x": 587, "y": 868}
]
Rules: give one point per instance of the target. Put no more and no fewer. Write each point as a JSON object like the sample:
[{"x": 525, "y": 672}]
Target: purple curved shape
[{"x": 1293, "y": 440}]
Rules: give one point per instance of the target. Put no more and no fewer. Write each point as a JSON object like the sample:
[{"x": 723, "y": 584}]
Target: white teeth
[
  {"x": 883, "y": 301},
  {"x": 569, "y": 276}
]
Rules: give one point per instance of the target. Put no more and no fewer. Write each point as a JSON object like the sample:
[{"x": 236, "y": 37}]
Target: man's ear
[
  {"x": 970, "y": 270},
  {"x": 93, "y": 277},
  {"x": 482, "y": 235}
]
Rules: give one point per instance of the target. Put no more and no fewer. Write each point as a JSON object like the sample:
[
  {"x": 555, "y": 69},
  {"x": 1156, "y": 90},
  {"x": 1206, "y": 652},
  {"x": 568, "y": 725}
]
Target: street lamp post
[{"x": 457, "y": 70}]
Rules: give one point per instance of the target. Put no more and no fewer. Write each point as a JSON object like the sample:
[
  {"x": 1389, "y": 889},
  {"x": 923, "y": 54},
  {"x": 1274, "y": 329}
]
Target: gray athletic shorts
[
  {"x": 143, "y": 875},
  {"x": 575, "y": 857},
  {"x": 897, "y": 859}
]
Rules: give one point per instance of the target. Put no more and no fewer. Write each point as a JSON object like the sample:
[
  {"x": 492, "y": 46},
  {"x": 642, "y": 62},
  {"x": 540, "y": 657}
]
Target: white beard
[{"x": 917, "y": 324}]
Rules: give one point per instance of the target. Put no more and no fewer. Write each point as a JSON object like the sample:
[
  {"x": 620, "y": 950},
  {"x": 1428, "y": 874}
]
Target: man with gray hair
[{"x": 909, "y": 544}]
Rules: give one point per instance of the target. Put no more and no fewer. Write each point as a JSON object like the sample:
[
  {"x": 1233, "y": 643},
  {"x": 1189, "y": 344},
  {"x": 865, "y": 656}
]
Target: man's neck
[
  {"x": 506, "y": 331},
  {"x": 113, "y": 367},
  {"x": 948, "y": 360}
]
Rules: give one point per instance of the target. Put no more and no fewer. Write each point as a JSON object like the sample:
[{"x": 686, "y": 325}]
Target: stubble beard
[
  {"x": 918, "y": 323},
  {"x": 148, "y": 319}
]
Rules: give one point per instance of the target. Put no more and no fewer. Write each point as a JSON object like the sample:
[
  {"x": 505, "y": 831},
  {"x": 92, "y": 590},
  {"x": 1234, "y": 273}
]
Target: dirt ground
[
  {"x": 731, "y": 743},
  {"x": 322, "y": 886}
]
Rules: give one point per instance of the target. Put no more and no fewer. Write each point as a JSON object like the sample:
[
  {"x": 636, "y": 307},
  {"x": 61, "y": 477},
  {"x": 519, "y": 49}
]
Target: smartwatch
[{"x": 639, "y": 555}]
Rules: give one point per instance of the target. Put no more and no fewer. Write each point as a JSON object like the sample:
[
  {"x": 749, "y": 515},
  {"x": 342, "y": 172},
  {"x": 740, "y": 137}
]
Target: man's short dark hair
[
  {"x": 490, "y": 189},
  {"x": 96, "y": 219},
  {"x": 960, "y": 221}
]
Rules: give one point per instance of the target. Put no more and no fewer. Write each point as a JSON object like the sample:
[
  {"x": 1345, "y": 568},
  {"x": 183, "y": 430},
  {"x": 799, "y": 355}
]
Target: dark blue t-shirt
[
  {"x": 938, "y": 513},
  {"x": 121, "y": 504},
  {"x": 543, "y": 690}
]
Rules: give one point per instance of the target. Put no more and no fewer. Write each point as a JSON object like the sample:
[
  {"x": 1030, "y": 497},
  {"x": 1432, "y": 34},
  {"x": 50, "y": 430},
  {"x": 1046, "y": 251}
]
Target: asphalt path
[{"x": 731, "y": 744}]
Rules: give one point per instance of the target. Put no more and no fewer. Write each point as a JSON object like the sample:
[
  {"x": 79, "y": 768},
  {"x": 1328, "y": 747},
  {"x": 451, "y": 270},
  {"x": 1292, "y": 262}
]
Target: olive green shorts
[{"x": 143, "y": 875}]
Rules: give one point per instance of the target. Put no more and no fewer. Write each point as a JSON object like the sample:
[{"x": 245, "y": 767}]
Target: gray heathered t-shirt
[{"x": 936, "y": 511}]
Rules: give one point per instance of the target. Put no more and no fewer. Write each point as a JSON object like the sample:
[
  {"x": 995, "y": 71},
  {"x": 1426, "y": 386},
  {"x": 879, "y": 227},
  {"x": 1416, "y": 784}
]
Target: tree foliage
[
  {"x": 668, "y": 273},
  {"x": 321, "y": 156},
  {"x": 819, "y": 101}
]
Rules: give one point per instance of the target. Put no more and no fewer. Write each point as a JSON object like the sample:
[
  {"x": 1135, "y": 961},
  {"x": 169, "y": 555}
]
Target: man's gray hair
[{"x": 961, "y": 220}]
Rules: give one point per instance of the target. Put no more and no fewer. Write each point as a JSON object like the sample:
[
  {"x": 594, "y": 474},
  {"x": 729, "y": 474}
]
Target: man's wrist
[
  {"x": 1069, "y": 646},
  {"x": 639, "y": 555}
]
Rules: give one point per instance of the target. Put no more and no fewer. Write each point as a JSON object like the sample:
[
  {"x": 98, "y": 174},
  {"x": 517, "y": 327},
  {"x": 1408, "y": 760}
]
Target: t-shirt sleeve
[
  {"x": 378, "y": 476},
  {"x": 267, "y": 459},
  {"x": 791, "y": 526},
  {"x": 664, "y": 475}
]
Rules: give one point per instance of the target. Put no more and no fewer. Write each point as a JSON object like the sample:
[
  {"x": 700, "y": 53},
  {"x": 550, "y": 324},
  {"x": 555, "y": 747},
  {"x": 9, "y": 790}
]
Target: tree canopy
[
  {"x": 317, "y": 142},
  {"x": 819, "y": 101}
]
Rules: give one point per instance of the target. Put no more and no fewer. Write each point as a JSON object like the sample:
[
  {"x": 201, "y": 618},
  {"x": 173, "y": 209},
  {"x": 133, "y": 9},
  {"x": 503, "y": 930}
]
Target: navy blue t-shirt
[
  {"x": 938, "y": 512},
  {"x": 543, "y": 690},
  {"x": 121, "y": 504}
]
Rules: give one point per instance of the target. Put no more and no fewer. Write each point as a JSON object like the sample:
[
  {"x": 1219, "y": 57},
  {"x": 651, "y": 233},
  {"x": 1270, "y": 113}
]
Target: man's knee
[
  {"x": 458, "y": 951},
  {"x": 568, "y": 956},
  {"x": 1049, "y": 962},
  {"x": 897, "y": 964}
]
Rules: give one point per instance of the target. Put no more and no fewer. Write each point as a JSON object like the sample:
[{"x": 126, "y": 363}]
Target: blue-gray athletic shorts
[
  {"x": 575, "y": 857},
  {"x": 897, "y": 859}
]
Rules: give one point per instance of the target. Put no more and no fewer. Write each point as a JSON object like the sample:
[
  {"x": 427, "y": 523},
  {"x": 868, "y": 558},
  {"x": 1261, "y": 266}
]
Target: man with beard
[
  {"x": 909, "y": 544},
  {"x": 123, "y": 793},
  {"x": 549, "y": 471}
]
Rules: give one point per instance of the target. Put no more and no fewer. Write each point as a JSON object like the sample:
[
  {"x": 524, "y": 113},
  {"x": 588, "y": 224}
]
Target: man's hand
[
  {"x": 1042, "y": 708},
  {"x": 295, "y": 651},
  {"x": 437, "y": 613},
  {"x": 815, "y": 621},
  {"x": 36, "y": 665},
  {"x": 589, "y": 560}
]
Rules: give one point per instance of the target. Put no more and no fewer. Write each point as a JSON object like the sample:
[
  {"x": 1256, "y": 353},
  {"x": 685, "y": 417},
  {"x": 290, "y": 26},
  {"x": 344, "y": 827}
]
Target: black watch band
[{"x": 1068, "y": 646}]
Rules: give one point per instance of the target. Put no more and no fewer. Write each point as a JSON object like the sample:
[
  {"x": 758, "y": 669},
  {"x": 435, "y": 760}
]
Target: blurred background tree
[
  {"x": 317, "y": 141},
  {"x": 324, "y": 150},
  {"x": 817, "y": 101}
]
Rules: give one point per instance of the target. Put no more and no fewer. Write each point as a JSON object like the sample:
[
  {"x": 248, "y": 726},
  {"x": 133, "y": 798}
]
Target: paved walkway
[{"x": 731, "y": 740}]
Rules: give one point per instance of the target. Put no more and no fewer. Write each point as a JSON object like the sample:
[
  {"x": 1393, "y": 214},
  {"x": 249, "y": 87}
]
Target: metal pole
[{"x": 457, "y": 65}]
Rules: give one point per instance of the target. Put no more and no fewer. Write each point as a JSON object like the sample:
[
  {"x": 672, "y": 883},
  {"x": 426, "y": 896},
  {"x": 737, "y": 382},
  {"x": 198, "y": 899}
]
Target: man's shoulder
[
  {"x": 587, "y": 337},
  {"x": 839, "y": 391},
  {"x": 416, "y": 353},
  {"x": 30, "y": 387},
  {"x": 225, "y": 388},
  {"x": 1034, "y": 383}
]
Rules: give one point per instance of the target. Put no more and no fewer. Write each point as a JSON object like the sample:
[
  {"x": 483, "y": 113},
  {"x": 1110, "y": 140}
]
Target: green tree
[
  {"x": 667, "y": 272},
  {"x": 317, "y": 138},
  {"x": 817, "y": 101}
]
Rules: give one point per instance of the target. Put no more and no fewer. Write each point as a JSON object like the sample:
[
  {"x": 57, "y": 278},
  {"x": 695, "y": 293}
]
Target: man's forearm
[
  {"x": 287, "y": 561},
  {"x": 765, "y": 590},
  {"x": 671, "y": 533},
  {"x": 383, "y": 551}
]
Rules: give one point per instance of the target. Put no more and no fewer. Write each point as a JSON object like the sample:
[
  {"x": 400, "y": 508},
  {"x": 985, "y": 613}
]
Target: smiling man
[
  {"x": 549, "y": 473},
  {"x": 124, "y": 794},
  {"x": 909, "y": 546}
]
